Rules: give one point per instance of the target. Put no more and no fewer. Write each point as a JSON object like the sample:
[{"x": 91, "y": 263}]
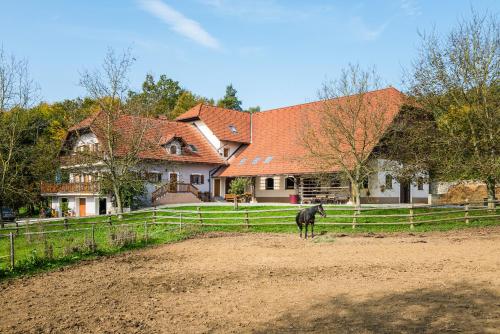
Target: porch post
[{"x": 252, "y": 185}]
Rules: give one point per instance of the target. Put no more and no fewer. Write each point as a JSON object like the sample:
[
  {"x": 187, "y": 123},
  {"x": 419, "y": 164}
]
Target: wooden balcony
[{"x": 81, "y": 187}]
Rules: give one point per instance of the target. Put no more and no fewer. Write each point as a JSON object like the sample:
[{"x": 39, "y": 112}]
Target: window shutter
[
  {"x": 262, "y": 183},
  {"x": 191, "y": 177},
  {"x": 202, "y": 179}
]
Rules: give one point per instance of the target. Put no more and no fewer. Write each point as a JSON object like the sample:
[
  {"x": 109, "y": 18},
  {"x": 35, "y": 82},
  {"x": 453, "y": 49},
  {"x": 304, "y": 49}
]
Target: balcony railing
[{"x": 81, "y": 187}]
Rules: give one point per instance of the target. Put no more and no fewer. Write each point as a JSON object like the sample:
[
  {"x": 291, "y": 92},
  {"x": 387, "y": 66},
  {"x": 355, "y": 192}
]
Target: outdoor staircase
[{"x": 175, "y": 193}]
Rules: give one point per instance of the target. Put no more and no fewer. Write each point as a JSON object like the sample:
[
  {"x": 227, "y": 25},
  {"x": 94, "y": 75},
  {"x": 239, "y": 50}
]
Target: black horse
[{"x": 306, "y": 217}]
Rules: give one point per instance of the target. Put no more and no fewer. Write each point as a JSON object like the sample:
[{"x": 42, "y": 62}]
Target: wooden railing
[
  {"x": 328, "y": 194},
  {"x": 176, "y": 187},
  {"x": 81, "y": 187}
]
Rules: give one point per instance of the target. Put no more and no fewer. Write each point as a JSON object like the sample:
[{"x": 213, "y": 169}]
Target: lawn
[{"x": 50, "y": 244}]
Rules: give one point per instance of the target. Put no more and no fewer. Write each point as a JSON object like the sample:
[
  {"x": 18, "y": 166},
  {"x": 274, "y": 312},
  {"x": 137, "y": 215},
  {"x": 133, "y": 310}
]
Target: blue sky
[{"x": 275, "y": 52}]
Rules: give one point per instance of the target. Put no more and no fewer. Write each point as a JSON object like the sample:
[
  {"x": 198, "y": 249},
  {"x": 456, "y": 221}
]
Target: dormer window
[
  {"x": 193, "y": 148},
  {"x": 233, "y": 129},
  {"x": 173, "y": 149}
]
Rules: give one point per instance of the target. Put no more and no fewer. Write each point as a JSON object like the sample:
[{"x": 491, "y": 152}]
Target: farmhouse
[{"x": 195, "y": 157}]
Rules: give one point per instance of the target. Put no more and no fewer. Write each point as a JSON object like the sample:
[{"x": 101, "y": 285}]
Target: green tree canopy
[{"x": 230, "y": 100}]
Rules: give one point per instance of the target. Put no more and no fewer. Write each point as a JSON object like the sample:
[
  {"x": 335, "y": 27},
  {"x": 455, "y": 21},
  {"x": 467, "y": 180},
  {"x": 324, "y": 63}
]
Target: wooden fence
[{"x": 280, "y": 216}]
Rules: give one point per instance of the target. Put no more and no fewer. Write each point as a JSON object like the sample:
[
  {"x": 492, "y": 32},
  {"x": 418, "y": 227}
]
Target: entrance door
[
  {"x": 83, "y": 206},
  {"x": 102, "y": 206},
  {"x": 217, "y": 188},
  {"x": 173, "y": 182},
  {"x": 404, "y": 192}
]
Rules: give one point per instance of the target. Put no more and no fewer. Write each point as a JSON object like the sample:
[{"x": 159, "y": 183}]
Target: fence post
[
  {"x": 12, "y": 250},
  {"x": 246, "y": 219},
  {"x": 466, "y": 208},
  {"x": 411, "y": 218},
  {"x": 65, "y": 221},
  {"x": 146, "y": 231},
  {"x": 93, "y": 238},
  {"x": 154, "y": 215},
  {"x": 180, "y": 221},
  {"x": 109, "y": 219},
  {"x": 199, "y": 216},
  {"x": 354, "y": 219}
]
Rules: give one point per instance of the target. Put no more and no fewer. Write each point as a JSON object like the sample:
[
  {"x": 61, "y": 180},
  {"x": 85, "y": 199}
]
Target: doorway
[
  {"x": 217, "y": 188},
  {"x": 404, "y": 192},
  {"x": 83, "y": 206},
  {"x": 102, "y": 206},
  {"x": 173, "y": 183}
]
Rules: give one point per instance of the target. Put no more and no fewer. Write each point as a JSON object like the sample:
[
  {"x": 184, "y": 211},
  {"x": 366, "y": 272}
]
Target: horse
[{"x": 306, "y": 217}]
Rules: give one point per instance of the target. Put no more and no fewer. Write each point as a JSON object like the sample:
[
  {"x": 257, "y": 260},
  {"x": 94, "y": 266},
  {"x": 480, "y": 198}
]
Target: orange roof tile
[
  {"x": 157, "y": 132},
  {"x": 219, "y": 121},
  {"x": 276, "y": 137}
]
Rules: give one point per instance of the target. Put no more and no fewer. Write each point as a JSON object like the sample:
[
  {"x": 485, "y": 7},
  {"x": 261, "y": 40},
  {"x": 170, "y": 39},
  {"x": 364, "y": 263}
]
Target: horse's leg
[
  {"x": 305, "y": 236},
  {"x": 312, "y": 230},
  {"x": 300, "y": 230}
]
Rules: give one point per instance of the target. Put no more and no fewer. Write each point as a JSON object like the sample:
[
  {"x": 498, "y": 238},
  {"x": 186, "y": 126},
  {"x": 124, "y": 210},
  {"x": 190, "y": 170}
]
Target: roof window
[
  {"x": 233, "y": 129},
  {"x": 193, "y": 148}
]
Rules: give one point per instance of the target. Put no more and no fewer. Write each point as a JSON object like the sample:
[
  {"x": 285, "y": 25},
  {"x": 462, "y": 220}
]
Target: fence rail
[{"x": 144, "y": 222}]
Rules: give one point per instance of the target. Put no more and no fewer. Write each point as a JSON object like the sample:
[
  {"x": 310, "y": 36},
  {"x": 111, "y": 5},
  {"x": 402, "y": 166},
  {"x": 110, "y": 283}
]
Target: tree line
[{"x": 448, "y": 130}]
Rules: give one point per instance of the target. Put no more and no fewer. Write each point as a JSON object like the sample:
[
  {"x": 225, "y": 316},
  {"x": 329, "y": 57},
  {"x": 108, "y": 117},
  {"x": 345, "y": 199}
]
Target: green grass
[{"x": 61, "y": 245}]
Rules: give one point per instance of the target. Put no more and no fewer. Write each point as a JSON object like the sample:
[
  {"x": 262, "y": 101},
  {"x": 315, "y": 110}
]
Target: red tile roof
[
  {"x": 157, "y": 132},
  {"x": 276, "y": 134},
  {"x": 219, "y": 121}
]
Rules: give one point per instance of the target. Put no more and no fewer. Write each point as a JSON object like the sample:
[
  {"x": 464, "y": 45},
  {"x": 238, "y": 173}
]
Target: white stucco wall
[
  {"x": 375, "y": 182},
  {"x": 183, "y": 171},
  {"x": 207, "y": 133},
  {"x": 86, "y": 139},
  {"x": 91, "y": 204},
  {"x": 279, "y": 187}
]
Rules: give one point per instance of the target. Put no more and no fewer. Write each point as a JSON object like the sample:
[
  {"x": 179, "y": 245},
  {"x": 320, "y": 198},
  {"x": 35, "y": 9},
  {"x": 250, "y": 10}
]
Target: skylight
[
  {"x": 255, "y": 161},
  {"x": 233, "y": 129},
  {"x": 193, "y": 148},
  {"x": 242, "y": 161},
  {"x": 268, "y": 159}
]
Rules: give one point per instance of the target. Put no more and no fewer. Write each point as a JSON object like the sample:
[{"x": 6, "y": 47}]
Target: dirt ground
[{"x": 272, "y": 283}]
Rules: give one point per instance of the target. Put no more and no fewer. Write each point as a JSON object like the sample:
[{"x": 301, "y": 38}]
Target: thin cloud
[
  {"x": 363, "y": 31},
  {"x": 179, "y": 23},
  {"x": 411, "y": 7}
]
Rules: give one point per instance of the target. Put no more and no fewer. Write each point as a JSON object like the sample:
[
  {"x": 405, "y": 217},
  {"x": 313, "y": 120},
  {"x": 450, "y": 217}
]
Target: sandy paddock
[{"x": 422, "y": 283}]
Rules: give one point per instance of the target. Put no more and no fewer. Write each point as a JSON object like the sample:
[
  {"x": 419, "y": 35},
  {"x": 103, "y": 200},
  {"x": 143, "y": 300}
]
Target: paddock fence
[{"x": 30, "y": 242}]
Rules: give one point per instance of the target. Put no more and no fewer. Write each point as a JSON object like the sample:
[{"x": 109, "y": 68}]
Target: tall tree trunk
[
  {"x": 490, "y": 188},
  {"x": 119, "y": 204},
  {"x": 356, "y": 194}
]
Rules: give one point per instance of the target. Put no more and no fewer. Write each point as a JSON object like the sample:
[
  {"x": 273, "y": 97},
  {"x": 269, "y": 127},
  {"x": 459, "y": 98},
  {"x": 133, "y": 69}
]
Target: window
[
  {"x": 226, "y": 152},
  {"x": 420, "y": 183},
  {"x": 197, "y": 179},
  {"x": 269, "y": 183},
  {"x": 268, "y": 159},
  {"x": 193, "y": 148},
  {"x": 173, "y": 149},
  {"x": 153, "y": 177},
  {"x": 233, "y": 129},
  {"x": 289, "y": 183},
  {"x": 365, "y": 183},
  {"x": 388, "y": 181}
]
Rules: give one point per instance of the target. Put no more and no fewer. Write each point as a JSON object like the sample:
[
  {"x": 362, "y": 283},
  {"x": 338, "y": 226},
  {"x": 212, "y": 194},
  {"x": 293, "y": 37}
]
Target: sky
[{"x": 275, "y": 52}]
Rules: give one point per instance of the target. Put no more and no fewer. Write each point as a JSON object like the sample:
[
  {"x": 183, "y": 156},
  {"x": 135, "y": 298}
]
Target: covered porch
[{"x": 287, "y": 188}]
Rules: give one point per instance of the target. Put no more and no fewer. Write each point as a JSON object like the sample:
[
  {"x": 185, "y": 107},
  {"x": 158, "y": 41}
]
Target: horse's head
[{"x": 321, "y": 211}]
